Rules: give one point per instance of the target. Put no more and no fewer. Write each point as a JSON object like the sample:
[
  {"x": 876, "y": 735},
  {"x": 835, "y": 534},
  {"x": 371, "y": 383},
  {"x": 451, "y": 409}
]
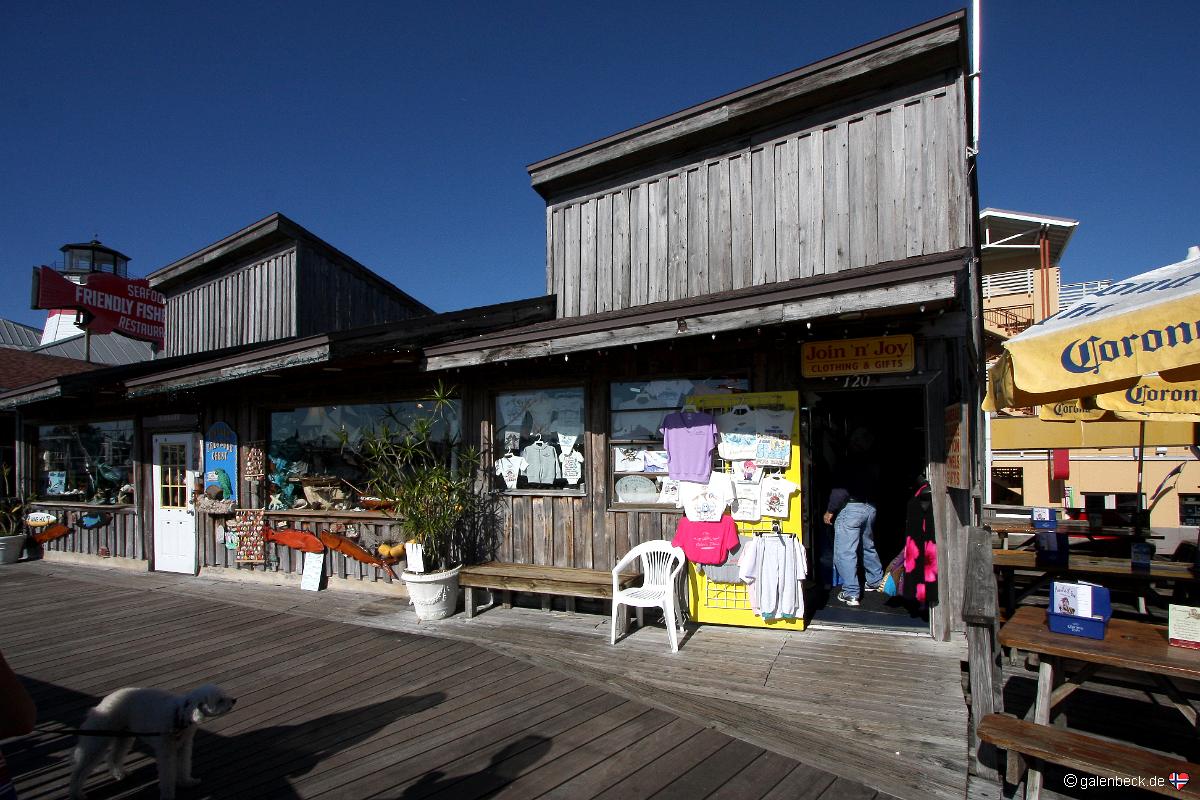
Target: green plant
[
  {"x": 429, "y": 477},
  {"x": 12, "y": 509}
]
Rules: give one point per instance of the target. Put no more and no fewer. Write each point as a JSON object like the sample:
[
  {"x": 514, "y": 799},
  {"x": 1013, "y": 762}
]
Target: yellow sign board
[{"x": 873, "y": 355}]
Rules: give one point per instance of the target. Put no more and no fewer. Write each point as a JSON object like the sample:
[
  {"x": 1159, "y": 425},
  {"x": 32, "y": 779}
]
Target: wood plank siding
[
  {"x": 830, "y": 192},
  {"x": 215, "y": 314},
  {"x": 329, "y": 297}
]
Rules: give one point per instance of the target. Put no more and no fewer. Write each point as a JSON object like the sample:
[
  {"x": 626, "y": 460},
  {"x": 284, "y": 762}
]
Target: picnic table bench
[
  {"x": 1087, "y": 753},
  {"x": 536, "y": 579}
]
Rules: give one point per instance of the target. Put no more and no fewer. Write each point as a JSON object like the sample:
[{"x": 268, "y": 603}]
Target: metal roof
[
  {"x": 16, "y": 335},
  {"x": 107, "y": 348},
  {"x": 1018, "y": 230}
]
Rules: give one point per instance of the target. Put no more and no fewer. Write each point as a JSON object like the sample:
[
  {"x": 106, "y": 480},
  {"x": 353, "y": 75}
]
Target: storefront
[{"x": 792, "y": 244}]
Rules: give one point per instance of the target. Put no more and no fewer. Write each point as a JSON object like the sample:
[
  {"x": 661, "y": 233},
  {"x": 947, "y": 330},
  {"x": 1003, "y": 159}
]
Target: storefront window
[
  {"x": 539, "y": 438},
  {"x": 315, "y": 445},
  {"x": 638, "y": 460},
  {"x": 92, "y": 462}
]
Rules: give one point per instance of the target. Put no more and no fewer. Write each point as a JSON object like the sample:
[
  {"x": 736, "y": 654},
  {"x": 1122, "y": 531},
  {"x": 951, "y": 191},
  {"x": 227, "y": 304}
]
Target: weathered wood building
[{"x": 711, "y": 251}]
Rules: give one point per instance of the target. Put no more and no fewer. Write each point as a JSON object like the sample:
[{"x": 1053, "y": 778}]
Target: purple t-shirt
[{"x": 689, "y": 437}]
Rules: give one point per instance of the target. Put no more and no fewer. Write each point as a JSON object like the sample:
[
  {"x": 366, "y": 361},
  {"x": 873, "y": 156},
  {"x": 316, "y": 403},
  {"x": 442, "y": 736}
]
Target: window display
[
  {"x": 311, "y": 461},
  {"x": 90, "y": 462},
  {"x": 539, "y": 436},
  {"x": 637, "y": 411}
]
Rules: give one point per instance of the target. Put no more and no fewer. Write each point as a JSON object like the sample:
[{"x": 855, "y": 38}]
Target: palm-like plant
[{"x": 428, "y": 477}]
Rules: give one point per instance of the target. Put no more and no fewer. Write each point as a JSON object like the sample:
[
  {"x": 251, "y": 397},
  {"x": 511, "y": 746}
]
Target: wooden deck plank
[{"x": 330, "y": 709}]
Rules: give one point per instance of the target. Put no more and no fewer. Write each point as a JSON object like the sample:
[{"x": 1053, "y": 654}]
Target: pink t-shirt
[
  {"x": 706, "y": 542},
  {"x": 689, "y": 437}
]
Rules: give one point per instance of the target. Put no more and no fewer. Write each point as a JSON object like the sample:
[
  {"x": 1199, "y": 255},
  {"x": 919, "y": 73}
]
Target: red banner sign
[{"x": 115, "y": 304}]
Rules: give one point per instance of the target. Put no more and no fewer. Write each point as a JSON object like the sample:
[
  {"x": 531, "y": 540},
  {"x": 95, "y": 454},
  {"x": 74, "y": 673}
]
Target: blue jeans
[{"x": 855, "y": 523}]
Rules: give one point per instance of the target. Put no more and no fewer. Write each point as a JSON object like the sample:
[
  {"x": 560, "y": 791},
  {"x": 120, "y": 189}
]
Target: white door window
[{"x": 174, "y": 517}]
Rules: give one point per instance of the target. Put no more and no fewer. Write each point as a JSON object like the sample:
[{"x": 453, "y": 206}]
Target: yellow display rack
[{"x": 728, "y": 603}]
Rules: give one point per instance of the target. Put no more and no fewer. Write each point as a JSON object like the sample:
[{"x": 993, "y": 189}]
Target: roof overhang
[
  {"x": 889, "y": 287},
  {"x": 1009, "y": 232}
]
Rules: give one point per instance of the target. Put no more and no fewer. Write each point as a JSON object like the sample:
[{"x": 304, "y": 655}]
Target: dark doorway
[{"x": 889, "y": 425}]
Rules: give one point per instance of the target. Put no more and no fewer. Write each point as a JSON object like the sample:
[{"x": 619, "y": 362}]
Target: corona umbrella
[{"x": 1106, "y": 342}]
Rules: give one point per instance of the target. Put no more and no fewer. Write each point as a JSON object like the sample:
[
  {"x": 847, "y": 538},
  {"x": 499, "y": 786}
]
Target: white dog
[{"x": 166, "y": 721}]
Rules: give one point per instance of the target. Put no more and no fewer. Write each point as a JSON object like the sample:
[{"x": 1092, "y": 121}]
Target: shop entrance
[
  {"x": 174, "y": 517},
  {"x": 878, "y": 434}
]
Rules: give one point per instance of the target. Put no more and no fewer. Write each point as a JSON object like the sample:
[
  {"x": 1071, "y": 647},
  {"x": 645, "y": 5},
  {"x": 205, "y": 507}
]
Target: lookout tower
[{"x": 79, "y": 261}]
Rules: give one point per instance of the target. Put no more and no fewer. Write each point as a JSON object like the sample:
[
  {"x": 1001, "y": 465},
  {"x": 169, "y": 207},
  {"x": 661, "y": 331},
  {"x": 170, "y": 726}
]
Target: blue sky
[{"x": 400, "y": 132}]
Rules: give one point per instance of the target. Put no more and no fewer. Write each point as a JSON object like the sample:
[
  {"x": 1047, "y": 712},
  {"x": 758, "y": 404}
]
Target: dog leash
[{"x": 96, "y": 732}]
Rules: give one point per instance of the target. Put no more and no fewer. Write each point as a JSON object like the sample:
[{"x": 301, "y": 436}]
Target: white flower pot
[
  {"x": 11, "y": 547},
  {"x": 434, "y": 594}
]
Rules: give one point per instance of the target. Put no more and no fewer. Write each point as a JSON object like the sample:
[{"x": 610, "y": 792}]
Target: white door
[{"x": 174, "y": 516}]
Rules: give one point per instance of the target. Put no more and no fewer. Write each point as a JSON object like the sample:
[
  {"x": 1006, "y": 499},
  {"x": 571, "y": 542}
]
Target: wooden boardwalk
[{"x": 515, "y": 703}]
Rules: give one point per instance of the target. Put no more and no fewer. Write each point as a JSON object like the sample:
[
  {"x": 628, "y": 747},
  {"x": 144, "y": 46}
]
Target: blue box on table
[{"x": 1079, "y": 609}]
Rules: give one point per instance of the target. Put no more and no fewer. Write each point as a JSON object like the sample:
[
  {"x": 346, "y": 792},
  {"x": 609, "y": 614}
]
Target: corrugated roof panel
[
  {"x": 22, "y": 337},
  {"x": 109, "y": 348}
]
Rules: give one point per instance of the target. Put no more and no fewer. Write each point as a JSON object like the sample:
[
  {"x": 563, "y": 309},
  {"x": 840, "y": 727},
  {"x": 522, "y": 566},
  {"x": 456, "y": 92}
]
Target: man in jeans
[{"x": 851, "y": 511}]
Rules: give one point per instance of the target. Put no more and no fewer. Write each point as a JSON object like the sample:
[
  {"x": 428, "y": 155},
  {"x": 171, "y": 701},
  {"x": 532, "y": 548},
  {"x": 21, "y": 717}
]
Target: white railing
[
  {"x": 1015, "y": 282},
  {"x": 1070, "y": 293}
]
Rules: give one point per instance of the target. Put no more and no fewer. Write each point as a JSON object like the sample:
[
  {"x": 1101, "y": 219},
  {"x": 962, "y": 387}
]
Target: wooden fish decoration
[
  {"x": 296, "y": 539},
  {"x": 348, "y": 548},
  {"x": 51, "y": 533}
]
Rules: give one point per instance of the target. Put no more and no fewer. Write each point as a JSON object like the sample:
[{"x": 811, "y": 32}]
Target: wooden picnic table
[
  {"x": 1129, "y": 645},
  {"x": 1004, "y": 528},
  {"x": 1104, "y": 571}
]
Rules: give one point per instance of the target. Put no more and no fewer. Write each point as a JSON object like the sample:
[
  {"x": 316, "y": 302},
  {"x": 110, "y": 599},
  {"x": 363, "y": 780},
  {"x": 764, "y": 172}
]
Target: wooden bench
[
  {"x": 546, "y": 581},
  {"x": 1090, "y": 754}
]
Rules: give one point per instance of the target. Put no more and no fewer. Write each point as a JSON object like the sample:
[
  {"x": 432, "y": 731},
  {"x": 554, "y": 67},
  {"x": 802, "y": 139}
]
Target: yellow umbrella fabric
[{"x": 1105, "y": 342}]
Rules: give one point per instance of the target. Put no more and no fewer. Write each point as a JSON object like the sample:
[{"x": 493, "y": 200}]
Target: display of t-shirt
[
  {"x": 668, "y": 492},
  {"x": 542, "y": 467},
  {"x": 571, "y": 466},
  {"x": 774, "y": 438},
  {"x": 706, "y": 542},
  {"x": 509, "y": 468},
  {"x": 774, "y": 498},
  {"x": 656, "y": 460},
  {"x": 746, "y": 500},
  {"x": 689, "y": 437},
  {"x": 748, "y": 471},
  {"x": 709, "y": 503},
  {"x": 738, "y": 429},
  {"x": 629, "y": 459}
]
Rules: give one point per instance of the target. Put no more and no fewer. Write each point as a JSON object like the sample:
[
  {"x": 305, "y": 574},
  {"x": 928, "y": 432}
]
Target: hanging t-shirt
[
  {"x": 774, "y": 438},
  {"x": 747, "y": 498},
  {"x": 706, "y": 542},
  {"x": 509, "y": 468},
  {"x": 689, "y": 438},
  {"x": 571, "y": 466},
  {"x": 775, "y": 494},
  {"x": 542, "y": 467},
  {"x": 738, "y": 429},
  {"x": 748, "y": 471},
  {"x": 708, "y": 503},
  {"x": 668, "y": 492}
]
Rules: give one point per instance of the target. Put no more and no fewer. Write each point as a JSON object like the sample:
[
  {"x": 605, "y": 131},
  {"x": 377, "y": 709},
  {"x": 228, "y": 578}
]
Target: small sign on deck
[{"x": 314, "y": 570}]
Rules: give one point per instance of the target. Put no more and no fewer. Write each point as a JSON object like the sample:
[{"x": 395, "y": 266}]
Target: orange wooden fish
[
  {"x": 348, "y": 548},
  {"x": 304, "y": 541},
  {"x": 51, "y": 533}
]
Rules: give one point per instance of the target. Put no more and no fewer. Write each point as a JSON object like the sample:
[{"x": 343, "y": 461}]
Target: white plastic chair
[{"x": 661, "y": 565}]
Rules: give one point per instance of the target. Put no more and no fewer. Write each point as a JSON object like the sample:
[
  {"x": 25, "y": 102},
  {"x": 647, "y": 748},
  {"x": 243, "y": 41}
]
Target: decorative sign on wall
[
  {"x": 958, "y": 473},
  {"x": 256, "y": 459},
  {"x": 874, "y": 355},
  {"x": 110, "y": 303},
  {"x": 221, "y": 462}
]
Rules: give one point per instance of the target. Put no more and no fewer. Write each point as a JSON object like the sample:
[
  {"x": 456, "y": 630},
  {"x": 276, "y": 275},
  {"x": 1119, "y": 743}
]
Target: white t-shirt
[
  {"x": 629, "y": 459},
  {"x": 738, "y": 431},
  {"x": 775, "y": 493},
  {"x": 708, "y": 503},
  {"x": 774, "y": 445},
  {"x": 746, "y": 501},
  {"x": 572, "y": 466},
  {"x": 668, "y": 493},
  {"x": 748, "y": 471},
  {"x": 509, "y": 468}
]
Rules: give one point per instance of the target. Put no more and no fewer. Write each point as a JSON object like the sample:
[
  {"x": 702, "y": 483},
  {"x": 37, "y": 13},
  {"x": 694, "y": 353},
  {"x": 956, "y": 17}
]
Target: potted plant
[
  {"x": 426, "y": 479},
  {"x": 12, "y": 521}
]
